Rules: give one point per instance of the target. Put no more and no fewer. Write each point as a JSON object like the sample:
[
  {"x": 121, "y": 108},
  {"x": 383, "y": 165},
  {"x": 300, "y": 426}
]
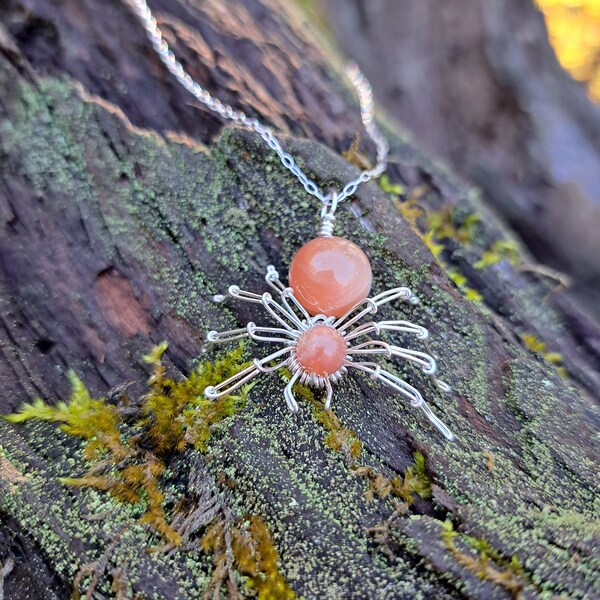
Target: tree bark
[
  {"x": 125, "y": 208},
  {"x": 478, "y": 84}
]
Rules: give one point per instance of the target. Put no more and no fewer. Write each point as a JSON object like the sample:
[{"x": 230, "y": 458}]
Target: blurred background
[{"x": 504, "y": 92}]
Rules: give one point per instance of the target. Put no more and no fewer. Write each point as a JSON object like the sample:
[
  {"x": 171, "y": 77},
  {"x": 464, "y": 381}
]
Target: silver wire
[
  {"x": 296, "y": 321},
  {"x": 225, "y": 111}
]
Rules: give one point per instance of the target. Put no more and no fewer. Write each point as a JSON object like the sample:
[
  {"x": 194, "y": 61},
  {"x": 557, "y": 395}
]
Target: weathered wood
[{"x": 124, "y": 209}]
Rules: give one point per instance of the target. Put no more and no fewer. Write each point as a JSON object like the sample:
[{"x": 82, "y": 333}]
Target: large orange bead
[
  {"x": 329, "y": 275},
  {"x": 321, "y": 350}
]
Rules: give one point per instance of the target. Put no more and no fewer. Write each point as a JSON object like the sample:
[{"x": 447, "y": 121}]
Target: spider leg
[
  {"x": 377, "y": 326},
  {"x": 272, "y": 279},
  {"x": 261, "y": 364},
  {"x": 253, "y": 331},
  {"x": 288, "y": 294},
  {"x": 280, "y": 314},
  {"x": 390, "y": 295},
  {"x": 329, "y": 390},
  {"x": 231, "y": 384},
  {"x": 356, "y": 313},
  {"x": 288, "y": 393},
  {"x": 416, "y": 399},
  {"x": 370, "y": 306},
  {"x": 442, "y": 385},
  {"x": 222, "y": 337},
  {"x": 271, "y": 334},
  {"x": 427, "y": 362},
  {"x": 441, "y": 427},
  {"x": 376, "y": 372},
  {"x": 238, "y": 294}
]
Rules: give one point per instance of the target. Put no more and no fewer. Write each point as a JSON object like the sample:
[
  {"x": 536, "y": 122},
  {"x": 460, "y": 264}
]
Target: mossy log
[{"x": 125, "y": 208}]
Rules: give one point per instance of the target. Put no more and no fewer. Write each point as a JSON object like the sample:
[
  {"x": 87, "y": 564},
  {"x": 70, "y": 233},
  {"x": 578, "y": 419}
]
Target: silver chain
[{"x": 365, "y": 97}]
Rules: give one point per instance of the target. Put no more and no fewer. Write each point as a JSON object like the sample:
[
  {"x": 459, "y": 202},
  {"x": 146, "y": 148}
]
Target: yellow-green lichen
[{"x": 442, "y": 226}]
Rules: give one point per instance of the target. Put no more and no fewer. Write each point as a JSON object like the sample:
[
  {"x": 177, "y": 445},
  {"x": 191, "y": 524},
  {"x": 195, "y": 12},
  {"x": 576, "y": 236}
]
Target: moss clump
[
  {"x": 415, "y": 481},
  {"x": 128, "y": 443},
  {"x": 246, "y": 546},
  {"x": 339, "y": 438},
  {"x": 444, "y": 224},
  {"x": 91, "y": 419},
  {"x": 396, "y": 189},
  {"x": 539, "y": 347},
  {"x": 500, "y": 250},
  {"x": 487, "y": 563},
  {"x": 177, "y": 411}
]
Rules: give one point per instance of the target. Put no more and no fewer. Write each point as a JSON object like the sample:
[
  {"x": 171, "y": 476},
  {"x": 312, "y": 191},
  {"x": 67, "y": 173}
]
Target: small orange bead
[
  {"x": 321, "y": 350},
  {"x": 329, "y": 275}
]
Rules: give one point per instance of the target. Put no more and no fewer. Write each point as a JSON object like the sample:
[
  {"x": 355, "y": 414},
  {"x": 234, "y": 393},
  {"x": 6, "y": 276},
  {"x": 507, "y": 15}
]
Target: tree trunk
[
  {"x": 478, "y": 84},
  {"x": 125, "y": 208}
]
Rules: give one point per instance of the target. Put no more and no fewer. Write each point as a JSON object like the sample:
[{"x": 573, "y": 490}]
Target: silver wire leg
[
  {"x": 416, "y": 399},
  {"x": 239, "y": 379}
]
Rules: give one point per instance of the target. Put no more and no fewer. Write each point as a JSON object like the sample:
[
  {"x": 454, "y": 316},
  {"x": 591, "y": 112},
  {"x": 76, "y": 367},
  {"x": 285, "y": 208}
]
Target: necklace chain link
[{"x": 363, "y": 88}]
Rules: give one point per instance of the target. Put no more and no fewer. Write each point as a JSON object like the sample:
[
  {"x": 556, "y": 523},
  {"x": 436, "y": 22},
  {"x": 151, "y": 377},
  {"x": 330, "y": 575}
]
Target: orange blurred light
[{"x": 574, "y": 30}]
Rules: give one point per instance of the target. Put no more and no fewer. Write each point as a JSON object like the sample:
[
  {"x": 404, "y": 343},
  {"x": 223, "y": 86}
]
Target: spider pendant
[{"x": 319, "y": 349}]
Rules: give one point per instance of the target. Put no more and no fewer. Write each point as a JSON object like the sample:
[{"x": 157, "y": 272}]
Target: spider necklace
[{"x": 319, "y": 316}]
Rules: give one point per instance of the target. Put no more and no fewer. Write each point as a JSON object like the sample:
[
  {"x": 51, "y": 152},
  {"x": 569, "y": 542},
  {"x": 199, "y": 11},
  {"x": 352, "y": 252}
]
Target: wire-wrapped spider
[{"x": 319, "y": 350}]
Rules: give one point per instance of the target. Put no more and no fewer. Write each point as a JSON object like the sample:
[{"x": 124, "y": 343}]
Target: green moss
[
  {"x": 487, "y": 563},
  {"x": 415, "y": 481},
  {"x": 500, "y": 250},
  {"x": 172, "y": 415},
  {"x": 93, "y": 420},
  {"x": 245, "y": 545},
  {"x": 129, "y": 455},
  {"x": 388, "y": 187}
]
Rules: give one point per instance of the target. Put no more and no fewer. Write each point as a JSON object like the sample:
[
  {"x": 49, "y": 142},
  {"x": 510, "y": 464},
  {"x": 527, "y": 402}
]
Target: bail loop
[{"x": 328, "y": 216}]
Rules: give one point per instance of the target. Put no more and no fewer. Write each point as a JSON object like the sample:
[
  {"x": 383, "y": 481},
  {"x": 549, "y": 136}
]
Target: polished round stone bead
[
  {"x": 329, "y": 275},
  {"x": 321, "y": 350}
]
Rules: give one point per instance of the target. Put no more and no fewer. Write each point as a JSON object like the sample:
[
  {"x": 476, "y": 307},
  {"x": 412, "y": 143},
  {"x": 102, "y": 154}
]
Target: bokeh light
[{"x": 574, "y": 29}]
